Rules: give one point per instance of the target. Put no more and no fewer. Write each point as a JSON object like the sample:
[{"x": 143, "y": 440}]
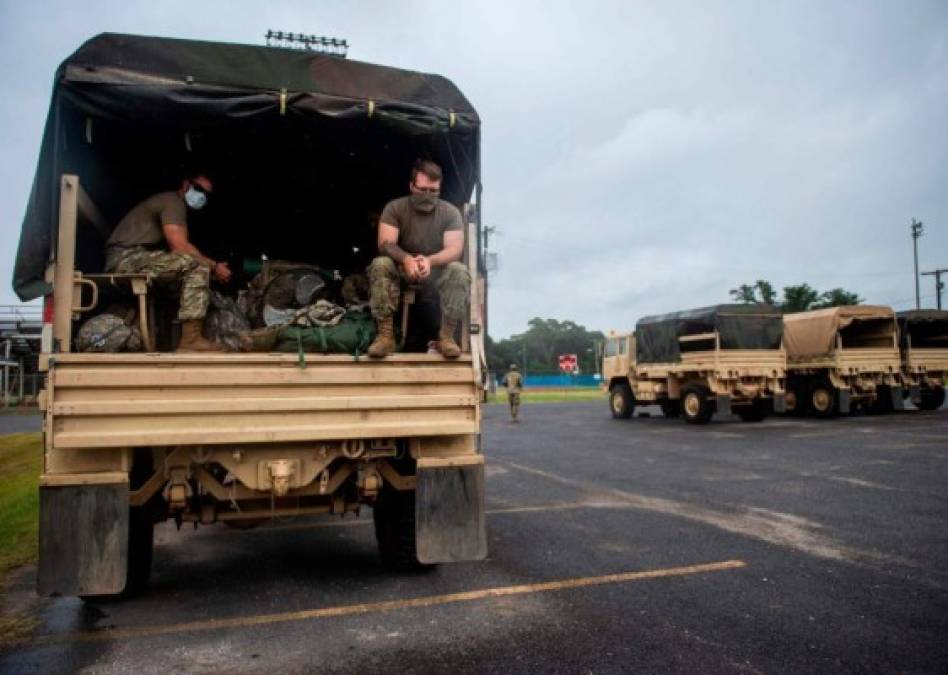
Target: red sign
[{"x": 569, "y": 363}]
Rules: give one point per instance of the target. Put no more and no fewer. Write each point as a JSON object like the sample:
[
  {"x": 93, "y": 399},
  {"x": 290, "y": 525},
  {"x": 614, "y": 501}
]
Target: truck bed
[
  {"x": 854, "y": 360},
  {"x": 932, "y": 359},
  {"x": 163, "y": 399},
  {"x": 724, "y": 363}
]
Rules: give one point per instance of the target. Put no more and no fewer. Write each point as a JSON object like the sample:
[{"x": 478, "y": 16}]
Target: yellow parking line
[{"x": 390, "y": 605}]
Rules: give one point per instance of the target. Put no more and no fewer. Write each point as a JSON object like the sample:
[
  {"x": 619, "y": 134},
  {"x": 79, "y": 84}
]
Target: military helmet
[{"x": 513, "y": 366}]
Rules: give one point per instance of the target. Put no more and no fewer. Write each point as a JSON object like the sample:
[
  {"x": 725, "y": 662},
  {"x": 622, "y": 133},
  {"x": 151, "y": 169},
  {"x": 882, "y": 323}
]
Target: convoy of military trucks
[{"x": 752, "y": 360}]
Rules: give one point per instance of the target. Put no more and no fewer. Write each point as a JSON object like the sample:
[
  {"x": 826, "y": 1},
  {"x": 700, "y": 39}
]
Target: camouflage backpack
[{"x": 108, "y": 332}]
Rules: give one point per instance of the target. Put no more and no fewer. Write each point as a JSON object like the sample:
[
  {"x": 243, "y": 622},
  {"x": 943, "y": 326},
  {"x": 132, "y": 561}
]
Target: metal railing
[{"x": 16, "y": 317}]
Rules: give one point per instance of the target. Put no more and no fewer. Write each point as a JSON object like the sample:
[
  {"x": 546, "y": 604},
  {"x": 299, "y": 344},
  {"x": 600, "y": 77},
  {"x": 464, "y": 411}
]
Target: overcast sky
[{"x": 638, "y": 157}]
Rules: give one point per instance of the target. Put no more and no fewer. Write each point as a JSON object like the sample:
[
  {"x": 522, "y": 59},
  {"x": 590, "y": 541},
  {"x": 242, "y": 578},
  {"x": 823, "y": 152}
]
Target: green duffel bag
[{"x": 352, "y": 335}]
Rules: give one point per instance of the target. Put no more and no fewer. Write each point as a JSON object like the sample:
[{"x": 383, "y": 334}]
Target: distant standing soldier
[
  {"x": 514, "y": 387},
  {"x": 153, "y": 239},
  {"x": 420, "y": 239}
]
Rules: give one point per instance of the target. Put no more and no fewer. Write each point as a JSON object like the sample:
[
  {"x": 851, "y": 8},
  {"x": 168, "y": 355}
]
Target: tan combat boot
[
  {"x": 384, "y": 343},
  {"x": 193, "y": 341},
  {"x": 446, "y": 344}
]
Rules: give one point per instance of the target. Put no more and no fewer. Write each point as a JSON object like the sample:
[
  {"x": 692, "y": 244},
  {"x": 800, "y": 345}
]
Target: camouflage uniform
[
  {"x": 452, "y": 281},
  {"x": 172, "y": 270},
  {"x": 514, "y": 387}
]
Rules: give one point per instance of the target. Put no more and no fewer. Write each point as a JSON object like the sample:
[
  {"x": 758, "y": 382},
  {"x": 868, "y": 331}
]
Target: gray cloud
[{"x": 638, "y": 158}]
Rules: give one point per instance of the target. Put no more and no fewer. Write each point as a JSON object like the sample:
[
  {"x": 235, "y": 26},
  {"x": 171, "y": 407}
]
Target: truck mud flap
[
  {"x": 449, "y": 510},
  {"x": 898, "y": 403},
  {"x": 724, "y": 404},
  {"x": 780, "y": 403},
  {"x": 83, "y": 538},
  {"x": 845, "y": 401}
]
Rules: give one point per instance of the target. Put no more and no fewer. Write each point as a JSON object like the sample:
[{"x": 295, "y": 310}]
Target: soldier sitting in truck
[
  {"x": 153, "y": 239},
  {"x": 421, "y": 239}
]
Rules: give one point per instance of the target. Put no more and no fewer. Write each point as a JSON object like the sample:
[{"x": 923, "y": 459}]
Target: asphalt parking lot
[{"x": 640, "y": 545}]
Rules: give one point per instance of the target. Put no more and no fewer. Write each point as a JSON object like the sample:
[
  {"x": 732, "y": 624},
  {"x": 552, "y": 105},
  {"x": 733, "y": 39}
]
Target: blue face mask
[{"x": 195, "y": 198}]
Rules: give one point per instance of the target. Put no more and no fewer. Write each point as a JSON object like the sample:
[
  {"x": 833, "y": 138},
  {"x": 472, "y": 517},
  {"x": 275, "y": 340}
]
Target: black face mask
[{"x": 424, "y": 202}]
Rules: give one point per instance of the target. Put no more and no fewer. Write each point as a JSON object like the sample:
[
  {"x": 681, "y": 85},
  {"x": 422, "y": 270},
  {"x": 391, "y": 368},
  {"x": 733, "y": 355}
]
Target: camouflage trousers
[
  {"x": 453, "y": 283},
  {"x": 177, "y": 271},
  {"x": 513, "y": 399}
]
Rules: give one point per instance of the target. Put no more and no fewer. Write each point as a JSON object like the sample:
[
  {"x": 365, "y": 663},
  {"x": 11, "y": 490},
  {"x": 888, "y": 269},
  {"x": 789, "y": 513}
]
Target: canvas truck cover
[
  {"x": 927, "y": 327},
  {"x": 186, "y": 85},
  {"x": 813, "y": 334},
  {"x": 739, "y": 327}
]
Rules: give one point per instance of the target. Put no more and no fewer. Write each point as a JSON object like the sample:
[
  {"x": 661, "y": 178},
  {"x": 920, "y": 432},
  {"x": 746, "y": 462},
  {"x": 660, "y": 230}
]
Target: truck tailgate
[{"x": 130, "y": 400}]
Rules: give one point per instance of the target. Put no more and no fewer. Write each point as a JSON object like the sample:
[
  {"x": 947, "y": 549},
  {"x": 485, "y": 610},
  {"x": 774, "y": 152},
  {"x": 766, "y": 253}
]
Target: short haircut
[{"x": 427, "y": 167}]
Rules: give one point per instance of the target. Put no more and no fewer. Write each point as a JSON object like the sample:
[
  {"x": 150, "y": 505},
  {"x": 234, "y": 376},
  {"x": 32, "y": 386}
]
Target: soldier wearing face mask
[
  {"x": 420, "y": 239},
  {"x": 153, "y": 239}
]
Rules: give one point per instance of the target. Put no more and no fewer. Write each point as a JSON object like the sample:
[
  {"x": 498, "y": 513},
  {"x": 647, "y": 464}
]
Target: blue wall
[{"x": 538, "y": 381}]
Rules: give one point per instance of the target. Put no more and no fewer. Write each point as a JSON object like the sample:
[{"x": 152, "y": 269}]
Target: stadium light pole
[{"x": 917, "y": 231}]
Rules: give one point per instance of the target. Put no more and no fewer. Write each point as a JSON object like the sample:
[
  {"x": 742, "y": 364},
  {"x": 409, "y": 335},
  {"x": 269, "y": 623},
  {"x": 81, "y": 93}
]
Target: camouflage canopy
[
  {"x": 131, "y": 114},
  {"x": 738, "y": 327}
]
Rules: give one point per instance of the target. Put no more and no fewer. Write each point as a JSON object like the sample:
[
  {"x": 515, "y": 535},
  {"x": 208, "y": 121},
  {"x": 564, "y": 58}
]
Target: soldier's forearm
[
  {"x": 445, "y": 256},
  {"x": 393, "y": 251},
  {"x": 192, "y": 250}
]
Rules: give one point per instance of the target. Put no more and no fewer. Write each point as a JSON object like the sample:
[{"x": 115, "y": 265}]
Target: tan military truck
[
  {"x": 724, "y": 359},
  {"x": 923, "y": 339},
  {"x": 302, "y": 148},
  {"x": 841, "y": 358}
]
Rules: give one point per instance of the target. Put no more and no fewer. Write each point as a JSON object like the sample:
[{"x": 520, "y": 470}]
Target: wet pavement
[{"x": 615, "y": 546}]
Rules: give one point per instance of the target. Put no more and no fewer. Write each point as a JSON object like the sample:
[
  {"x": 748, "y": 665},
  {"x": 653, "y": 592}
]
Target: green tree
[
  {"x": 541, "y": 344},
  {"x": 836, "y": 297},
  {"x": 767, "y": 293},
  {"x": 745, "y": 294},
  {"x": 798, "y": 298}
]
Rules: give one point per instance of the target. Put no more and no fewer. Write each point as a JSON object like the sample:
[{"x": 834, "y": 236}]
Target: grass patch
[
  {"x": 21, "y": 462},
  {"x": 551, "y": 395}
]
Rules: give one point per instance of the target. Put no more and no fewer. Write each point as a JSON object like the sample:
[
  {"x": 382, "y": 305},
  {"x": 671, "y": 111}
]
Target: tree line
[
  {"x": 799, "y": 298},
  {"x": 538, "y": 348}
]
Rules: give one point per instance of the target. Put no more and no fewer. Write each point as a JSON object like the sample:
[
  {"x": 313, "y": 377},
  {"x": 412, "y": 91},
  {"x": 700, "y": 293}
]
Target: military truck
[
  {"x": 724, "y": 359},
  {"x": 302, "y": 148},
  {"x": 841, "y": 358},
  {"x": 923, "y": 340}
]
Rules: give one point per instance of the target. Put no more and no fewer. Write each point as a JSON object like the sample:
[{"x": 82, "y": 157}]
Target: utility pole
[
  {"x": 917, "y": 231},
  {"x": 939, "y": 284}
]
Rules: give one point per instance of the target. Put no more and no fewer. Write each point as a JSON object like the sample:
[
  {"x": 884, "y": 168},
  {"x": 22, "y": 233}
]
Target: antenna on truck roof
[{"x": 310, "y": 43}]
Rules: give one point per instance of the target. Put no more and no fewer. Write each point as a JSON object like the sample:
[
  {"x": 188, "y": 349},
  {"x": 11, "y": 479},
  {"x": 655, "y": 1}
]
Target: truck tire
[
  {"x": 394, "y": 517},
  {"x": 141, "y": 544},
  {"x": 931, "y": 398},
  {"x": 696, "y": 404},
  {"x": 882, "y": 403},
  {"x": 671, "y": 409},
  {"x": 755, "y": 412},
  {"x": 823, "y": 399},
  {"x": 621, "y": 401},
  {"x": 795, "y": 405}
]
